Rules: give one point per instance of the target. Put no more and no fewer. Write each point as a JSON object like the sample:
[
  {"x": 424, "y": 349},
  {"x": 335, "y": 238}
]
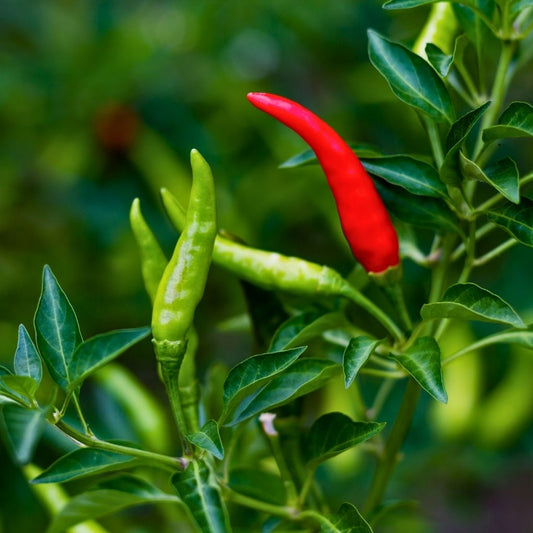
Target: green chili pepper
[
  {"x": 183, "y": 282},
  {"x": 274, "y": 271},
  {"x": 153, "y": 260},
  {"x": 180, "y": 290}
]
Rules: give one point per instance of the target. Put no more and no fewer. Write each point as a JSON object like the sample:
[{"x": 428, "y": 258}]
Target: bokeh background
[{"x": 101, "y": 102}]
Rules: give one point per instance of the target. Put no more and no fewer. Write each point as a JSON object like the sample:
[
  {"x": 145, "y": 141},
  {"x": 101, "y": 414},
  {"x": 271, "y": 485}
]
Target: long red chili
[{"x": 364, "y": 219}]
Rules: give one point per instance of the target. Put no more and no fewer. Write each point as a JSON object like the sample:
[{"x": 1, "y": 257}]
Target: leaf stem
[
  {"x": 434, "y": 139},
  {"x": 388, "y": 459},
  {"x": 489, "y": 256},
  {"x": 156, "y": 459},
  {"x": 356, "y": 297},
  {"x": 258, "y": 505}
]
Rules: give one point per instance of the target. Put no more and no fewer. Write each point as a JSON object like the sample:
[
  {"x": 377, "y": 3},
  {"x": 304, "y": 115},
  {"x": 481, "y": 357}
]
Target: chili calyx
[{"x": 364, "y": 219}]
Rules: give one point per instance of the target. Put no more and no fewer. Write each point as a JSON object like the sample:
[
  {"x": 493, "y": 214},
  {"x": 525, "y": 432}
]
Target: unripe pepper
[
  {"x": 183, "y": 281},
  {"x": 364, "y": 219}
]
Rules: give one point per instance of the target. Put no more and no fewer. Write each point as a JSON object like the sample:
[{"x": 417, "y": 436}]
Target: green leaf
[
  {"x": 468, "y": 301},
  {"x": 22, "y": 389},
  {"x": 422, "y": 361},
  {"x": 515, "y": 121},
  {"x": 474, "y": 27},
  {"x": 411, "y": 79},
  {"x": 95, "y": 503},
  {"x": 457, "y": 135},
  {"x": 22, "y": 429},
  {"x": 99, "y": 350},
  {"x": 4, "y": 371},
  {"x": 303, "y": 377},
  {"x": 502, "y": 175},
  {"x": 56, "y": 328},
  {"x": 84, "y": 462},
  {"x": 409, "y": 173},
  {"x": 335, "y": 433},
  {"x": 199, "y": 491},
  {"x": 253, "y": 373},
  {"x": 299, "y": 329},
  {"x": 208, "y": 438},
  {"x": 480, "y": 6},
  {"x": 27, "y": 361},
  {"x": 259, "y": 484},
  {"x": 518, "y": 5},
  {"x": 430, "y": 213},
  {"x": 516, "y": 220},
  {"x": 308, "y": 157},
  {"x": 355, "y": 356},
  {"x": 348, "y": 520},
  {"x": 441, "y": 62}
]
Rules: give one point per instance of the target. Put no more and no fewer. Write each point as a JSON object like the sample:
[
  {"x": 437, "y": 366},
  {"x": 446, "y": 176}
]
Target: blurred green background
[{"x": 101, "y": 102}]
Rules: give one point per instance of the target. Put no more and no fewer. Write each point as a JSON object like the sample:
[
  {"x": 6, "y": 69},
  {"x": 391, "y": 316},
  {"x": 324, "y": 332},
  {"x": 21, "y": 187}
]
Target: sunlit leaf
[
  {"x": 208, "y": 438},
  {"x": 22, "y": 389},
  {"x": 515, "y": 121},
  {"x": 411, "y": 79},
  {"x": 253, "y": 373},
  {"x": 97, "y": 351},
  {"x": 404, "y": 171},
  {"x": 355, "y": 356},
  {"x": 56, "y": 327},
  {"x": 422, "y": 362},
  {"x": 303, "y": 377},
  {"x": 468, "y": 301},
  {"x": 84, "y": 462},
  {"x": 27, "y": 361}
]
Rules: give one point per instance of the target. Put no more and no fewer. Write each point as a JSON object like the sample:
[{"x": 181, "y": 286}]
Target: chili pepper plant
[{"x": 249, "y": 442}]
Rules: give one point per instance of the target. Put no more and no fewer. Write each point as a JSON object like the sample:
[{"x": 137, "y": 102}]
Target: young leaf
[
  {"x": 208, "y": 438},
  {"x": 422, "y": 361},
  {"x": 468, "y": 301},
  {"x": 95, "y": 503},
  {"x": 56, "y": 329},
  {"x": 22, "y": 389},
  {"x": 516, "y": 220},
  {"x": 299, "y": 329},
  {"x": 84, "y": 462},
  {"x": 303, "y": 377},
  {"x": 404, "y": 171},
  {"x": 254, "y": 372},
  {"x": 198, "y": 490},
  {"x": 22, "y": 429},
  {"x": 441, "y": 62},
  {"x": 355, "y": 356},
  {"x": 449, "y": 171},
  {"x": 259, "y": 484},
  {"x": 515, "y": 121},
  {"x": 411, "y": 79},
  {"x": 432, "y": 213},
  {"x": 502, "y": 175},
  {"x": 27, "y": 361},
  {"x": 349, "y": 520},
  {"x": 335, "y": 433},
  {"x": 99, "y": 350}
]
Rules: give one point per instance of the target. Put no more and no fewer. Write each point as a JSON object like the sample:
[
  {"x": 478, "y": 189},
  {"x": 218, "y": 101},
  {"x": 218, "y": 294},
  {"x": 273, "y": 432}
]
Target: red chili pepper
[{"x": 364, "y": 219}]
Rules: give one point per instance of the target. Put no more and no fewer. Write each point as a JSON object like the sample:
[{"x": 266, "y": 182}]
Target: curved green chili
[
  {"x": 153, "y": 260},
  {"x": 274, "y": 271}
]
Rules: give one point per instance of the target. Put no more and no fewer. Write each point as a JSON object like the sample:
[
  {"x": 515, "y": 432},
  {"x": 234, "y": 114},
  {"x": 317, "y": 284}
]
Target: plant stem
[
  {"x": 381, "y": 397},
  {"x": 434, "y": 139},
  {"x": 489, "y": 256},
  {"x": 388, "y": 460},
  {"x": 252, "y": 503},
  {"x": 360, "y": 300},
  {"x": 156, "y": 459}
]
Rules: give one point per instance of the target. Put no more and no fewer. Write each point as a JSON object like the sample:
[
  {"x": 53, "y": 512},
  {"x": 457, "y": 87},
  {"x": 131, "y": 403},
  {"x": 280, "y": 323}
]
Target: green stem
[
  {"x": 470, "y": 247},
  {"x": 381, "y": 373},
  {"x": 434, "y": 139},
  {"x": 489, "y": 256},
  {"x": 359, "y": 403},
  {"x": 388, "y": 460},
  {"x": 381, "y": 397},
  {"x": 264, "y": 507},
  {"x": 481, "y": 232},
  {"x": 500, "y": 84},
  {"x": 356, "y": 297},
  {"x": 156, "y": 459}
]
